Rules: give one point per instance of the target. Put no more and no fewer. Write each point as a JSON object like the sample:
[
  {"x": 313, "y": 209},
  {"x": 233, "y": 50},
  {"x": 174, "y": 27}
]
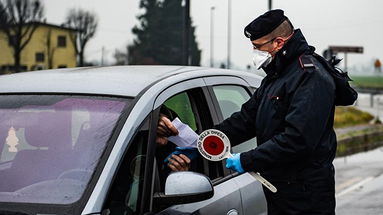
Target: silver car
[{"x": 82, "y": 141}]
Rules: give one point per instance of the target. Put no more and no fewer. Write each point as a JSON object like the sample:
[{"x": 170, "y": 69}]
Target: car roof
[{"x": 114, "y": 80}]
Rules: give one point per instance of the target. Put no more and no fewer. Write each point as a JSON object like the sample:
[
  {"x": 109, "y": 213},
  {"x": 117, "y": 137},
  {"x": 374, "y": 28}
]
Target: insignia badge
[{"x": 247, "y": 34}]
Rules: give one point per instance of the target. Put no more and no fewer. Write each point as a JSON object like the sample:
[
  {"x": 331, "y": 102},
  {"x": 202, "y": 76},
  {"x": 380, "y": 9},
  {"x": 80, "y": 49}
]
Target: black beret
[{"x": 264, "y": 24}]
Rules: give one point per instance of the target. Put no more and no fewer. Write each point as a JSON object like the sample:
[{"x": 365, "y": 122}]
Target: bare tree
[
  {"x": 3, "y": 15},
  {"x": 19, "y": 20},
  {"x": 120, "y": 57},
  {"x": 85, "y": 23}
]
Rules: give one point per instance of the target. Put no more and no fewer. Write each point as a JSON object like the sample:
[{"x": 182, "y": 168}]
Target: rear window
[{"x": 50, "y": 145}]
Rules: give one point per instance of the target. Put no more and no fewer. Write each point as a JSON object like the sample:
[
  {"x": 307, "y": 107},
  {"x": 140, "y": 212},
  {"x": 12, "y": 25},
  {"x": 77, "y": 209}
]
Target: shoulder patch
[{"x": 306, "y": 62}]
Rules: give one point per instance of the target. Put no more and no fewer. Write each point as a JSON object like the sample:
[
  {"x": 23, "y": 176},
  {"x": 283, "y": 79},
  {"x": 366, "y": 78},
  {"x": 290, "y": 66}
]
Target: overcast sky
[{"x": 323, "y": 22}]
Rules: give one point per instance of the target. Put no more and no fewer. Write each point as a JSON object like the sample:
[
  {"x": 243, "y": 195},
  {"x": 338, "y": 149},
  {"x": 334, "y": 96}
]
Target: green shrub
[{"x": 349, "y": 116}]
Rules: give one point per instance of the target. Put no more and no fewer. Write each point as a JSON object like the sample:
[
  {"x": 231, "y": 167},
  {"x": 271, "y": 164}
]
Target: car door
[
  {"x": 228, "y": 97},
  {"x": 199, "y": 113}
]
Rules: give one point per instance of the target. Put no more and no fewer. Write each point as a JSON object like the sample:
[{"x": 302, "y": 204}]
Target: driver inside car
[{"x": 167, "y": 160}]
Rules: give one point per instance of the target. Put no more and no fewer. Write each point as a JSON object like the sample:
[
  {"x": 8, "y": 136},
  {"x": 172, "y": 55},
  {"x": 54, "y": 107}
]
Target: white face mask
[{"x": 261, "y": 58}]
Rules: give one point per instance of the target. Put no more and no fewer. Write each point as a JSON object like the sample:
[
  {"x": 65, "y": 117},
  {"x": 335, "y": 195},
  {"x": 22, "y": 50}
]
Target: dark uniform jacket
[{"x": 291, "y": 114}]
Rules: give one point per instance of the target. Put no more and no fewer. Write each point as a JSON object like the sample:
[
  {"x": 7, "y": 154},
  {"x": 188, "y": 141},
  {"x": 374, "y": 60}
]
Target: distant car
[{"x": 82, "y": 141}]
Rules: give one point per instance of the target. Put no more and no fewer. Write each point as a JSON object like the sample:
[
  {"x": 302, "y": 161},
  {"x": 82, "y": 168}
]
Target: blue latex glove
[
  {"x": 234, "y": 163},
  {"x": 190, "y": 152}
]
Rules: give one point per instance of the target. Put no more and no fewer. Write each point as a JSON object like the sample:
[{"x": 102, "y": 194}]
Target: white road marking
[
  {"x": 348, "y": 183},
  {"x": 354, "y": 187}
]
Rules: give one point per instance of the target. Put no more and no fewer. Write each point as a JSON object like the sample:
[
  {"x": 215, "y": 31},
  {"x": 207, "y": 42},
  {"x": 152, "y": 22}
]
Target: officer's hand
[
  {"x": 165, "y": 129},
  {"x": 179, "y": 163},
  {"x": 234, "y": 163}
]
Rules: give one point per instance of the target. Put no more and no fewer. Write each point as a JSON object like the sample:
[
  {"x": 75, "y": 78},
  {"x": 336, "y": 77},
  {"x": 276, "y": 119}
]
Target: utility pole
[
  {"x": 270, "y": 4},
  {"x": 186, "y": 32},
  {"x": 212, "y": 36},
  {"x": 228, "y": 34},
  {"x": 102, "y": 55}
]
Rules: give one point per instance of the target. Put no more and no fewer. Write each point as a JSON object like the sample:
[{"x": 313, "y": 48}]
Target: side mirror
[{"x": 185, "y": 187}]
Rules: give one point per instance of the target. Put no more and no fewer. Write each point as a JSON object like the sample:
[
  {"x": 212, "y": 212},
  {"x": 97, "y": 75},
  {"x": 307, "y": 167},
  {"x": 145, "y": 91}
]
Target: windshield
[{"x": 51, "y": 144}]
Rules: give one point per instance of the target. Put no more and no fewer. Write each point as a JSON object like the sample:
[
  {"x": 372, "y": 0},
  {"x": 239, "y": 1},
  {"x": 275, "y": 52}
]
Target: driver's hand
[
  {"x": 165, "y": 129},
  {"x": 179, "y": 163}
]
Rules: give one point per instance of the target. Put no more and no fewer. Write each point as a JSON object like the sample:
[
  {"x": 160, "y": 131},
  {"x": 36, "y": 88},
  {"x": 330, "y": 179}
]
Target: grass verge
[
  {"x": 368, "y": 81},
  {"x": 350, "y": 116}
]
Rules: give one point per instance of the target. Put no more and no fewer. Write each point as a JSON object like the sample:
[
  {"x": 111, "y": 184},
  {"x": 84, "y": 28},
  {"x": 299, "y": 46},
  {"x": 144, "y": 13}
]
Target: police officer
[{"x": 291, "y": 114}]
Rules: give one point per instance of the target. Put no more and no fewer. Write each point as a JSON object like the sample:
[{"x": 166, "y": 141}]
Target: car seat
[{"x": 51, "y": 138}]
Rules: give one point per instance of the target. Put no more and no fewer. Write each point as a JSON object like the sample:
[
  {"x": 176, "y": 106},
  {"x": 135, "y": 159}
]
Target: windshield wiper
[{"x": 12, "y": 213}]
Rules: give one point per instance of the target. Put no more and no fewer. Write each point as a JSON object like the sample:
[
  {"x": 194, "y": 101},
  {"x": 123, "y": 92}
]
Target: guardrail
[{"x": 369, "y": 90}]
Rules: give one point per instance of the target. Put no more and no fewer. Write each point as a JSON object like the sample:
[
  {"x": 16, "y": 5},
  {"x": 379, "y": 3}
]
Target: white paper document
[{"x": 186, "y": 136}]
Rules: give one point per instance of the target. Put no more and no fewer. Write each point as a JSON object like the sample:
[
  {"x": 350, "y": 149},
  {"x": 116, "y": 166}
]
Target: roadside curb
[{"x": 360, "y": 141}]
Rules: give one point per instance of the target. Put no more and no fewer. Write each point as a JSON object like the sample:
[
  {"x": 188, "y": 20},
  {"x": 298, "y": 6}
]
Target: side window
[
  {"x": 192, "y": 109},
  {"x": 230, "y": 99},
  {"x": 181, "y": 105},
  {"x": 125, "y": 195}
]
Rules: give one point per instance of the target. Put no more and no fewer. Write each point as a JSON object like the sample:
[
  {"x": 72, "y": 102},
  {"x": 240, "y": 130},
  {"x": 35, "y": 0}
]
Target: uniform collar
[{"x": 293, "y": 48}]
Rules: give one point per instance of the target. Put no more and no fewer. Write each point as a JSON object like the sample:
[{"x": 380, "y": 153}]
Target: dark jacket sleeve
[
  {"x": 310, "y": 109},
  {"x": 240, "y": 126}
]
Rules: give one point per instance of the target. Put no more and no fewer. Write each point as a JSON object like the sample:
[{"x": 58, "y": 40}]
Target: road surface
[{"x": 359, "y": 183}]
